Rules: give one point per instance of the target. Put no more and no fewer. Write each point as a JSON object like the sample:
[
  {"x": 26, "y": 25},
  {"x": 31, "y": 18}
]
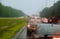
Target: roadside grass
[{"x": 13, "y": 26}]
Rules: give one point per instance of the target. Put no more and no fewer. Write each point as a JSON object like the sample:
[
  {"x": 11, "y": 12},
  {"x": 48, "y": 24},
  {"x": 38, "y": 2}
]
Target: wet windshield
[{"x": 22, "y": 19}]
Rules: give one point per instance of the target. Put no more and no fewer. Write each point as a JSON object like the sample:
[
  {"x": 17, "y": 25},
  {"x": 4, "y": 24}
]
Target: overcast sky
[{"x": 29, "y": 6}]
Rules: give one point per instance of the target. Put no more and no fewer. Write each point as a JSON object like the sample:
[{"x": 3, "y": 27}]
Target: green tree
[
  {"x": 51, "y": 11},
  {"x": 6, "y": 11}
]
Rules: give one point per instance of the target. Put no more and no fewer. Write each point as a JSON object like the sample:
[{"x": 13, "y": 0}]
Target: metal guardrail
[{"x": 18, "y": 33}]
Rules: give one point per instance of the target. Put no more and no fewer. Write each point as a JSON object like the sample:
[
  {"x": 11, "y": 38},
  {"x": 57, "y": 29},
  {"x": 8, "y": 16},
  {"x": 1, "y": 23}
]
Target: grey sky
[{"x": 29, "y": 6}]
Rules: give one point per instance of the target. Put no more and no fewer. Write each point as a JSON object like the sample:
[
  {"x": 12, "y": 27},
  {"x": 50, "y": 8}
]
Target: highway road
[{"x": 42, "y": 30}]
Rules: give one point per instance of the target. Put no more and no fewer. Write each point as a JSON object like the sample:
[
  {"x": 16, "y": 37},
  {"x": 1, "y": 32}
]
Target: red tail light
[
  {"x": 35, "y": 29},
  {"x": 38, "y": 21},
  {"x": 58, "y": 21},
  {"x": 28, "y": 26},
  {"x": 50, "y": 20}
]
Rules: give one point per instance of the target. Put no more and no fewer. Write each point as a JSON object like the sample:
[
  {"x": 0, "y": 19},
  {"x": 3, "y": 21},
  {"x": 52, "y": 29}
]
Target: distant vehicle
[
  {"x": 35, "y": 20},
  {"x": 44, "y": 20},
  {"x": 54, "y": 20},
  {"x": 28, "y": 16}
]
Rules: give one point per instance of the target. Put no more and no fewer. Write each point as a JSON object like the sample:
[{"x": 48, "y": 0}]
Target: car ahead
[
  {"x": 32, "y": 25},
  {"x": 31, "y": 28}
]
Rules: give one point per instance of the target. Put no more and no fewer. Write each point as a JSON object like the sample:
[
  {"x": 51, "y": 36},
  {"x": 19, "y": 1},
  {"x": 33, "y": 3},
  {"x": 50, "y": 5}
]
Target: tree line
[
  {"x": 51, "y": 11},
  {"x": 6, "y": 11}
]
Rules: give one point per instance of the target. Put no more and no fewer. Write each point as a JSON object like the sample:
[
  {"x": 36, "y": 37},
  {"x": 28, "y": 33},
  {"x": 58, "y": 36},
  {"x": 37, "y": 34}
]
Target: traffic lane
[{"x": 48, "y": 29}]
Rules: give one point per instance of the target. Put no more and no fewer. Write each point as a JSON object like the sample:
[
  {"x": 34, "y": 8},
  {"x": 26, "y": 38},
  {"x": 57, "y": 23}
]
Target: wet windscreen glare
[{"x": 18, "y": 16}]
